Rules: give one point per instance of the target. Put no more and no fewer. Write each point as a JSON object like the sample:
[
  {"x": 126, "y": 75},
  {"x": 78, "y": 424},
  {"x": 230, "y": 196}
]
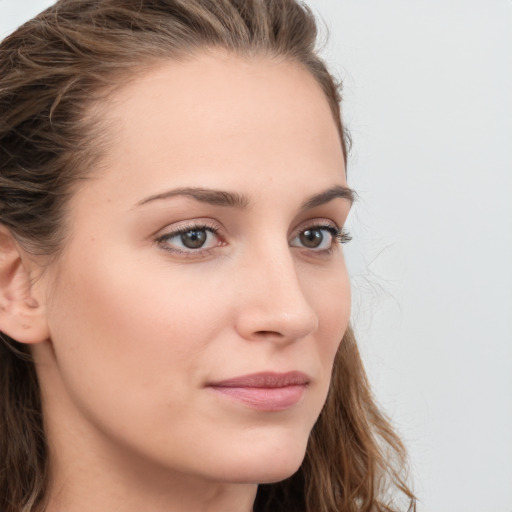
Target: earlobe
[{"x": 22, "y": 315}]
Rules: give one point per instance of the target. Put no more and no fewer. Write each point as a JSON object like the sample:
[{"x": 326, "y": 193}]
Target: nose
[{"x": 272, "y": 304}]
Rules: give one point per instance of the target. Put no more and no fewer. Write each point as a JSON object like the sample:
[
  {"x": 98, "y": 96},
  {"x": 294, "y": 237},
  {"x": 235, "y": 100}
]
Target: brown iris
[
  {"x": 311, "y": 238},
  {"x": 194, "y": 238}
]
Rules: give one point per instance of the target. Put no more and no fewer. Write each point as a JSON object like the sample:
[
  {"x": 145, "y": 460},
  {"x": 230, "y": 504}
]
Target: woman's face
[{"x": 202, "y": 293}]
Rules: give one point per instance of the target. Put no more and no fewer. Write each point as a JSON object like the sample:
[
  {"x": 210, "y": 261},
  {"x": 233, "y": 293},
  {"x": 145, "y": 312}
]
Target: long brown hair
[{"x": 53, "y": 70}]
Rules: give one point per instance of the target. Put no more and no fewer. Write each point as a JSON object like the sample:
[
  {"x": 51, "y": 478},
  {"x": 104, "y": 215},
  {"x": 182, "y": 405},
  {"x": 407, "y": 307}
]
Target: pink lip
[{"x": 266, "y": 391}]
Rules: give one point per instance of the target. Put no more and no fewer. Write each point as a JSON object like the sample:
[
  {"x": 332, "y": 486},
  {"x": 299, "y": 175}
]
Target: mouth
[{"x": 267, "y": 391}]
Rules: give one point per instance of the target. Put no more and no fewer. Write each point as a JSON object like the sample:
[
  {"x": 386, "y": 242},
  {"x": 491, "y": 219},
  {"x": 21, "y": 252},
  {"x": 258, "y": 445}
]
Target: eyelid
[
  {"x": 186, "y": 225},
  {"x": 320, "y": 222}
]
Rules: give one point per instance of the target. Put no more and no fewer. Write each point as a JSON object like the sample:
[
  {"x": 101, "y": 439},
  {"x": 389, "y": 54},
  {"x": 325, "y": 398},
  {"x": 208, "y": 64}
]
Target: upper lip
[{"x": 264, "y": 380}]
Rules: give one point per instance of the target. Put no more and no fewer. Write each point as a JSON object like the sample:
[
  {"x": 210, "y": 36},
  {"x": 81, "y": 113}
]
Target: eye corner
[{"x": 343, "y": 236}]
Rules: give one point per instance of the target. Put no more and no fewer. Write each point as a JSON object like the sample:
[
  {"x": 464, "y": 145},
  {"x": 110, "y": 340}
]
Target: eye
[
  {"x": 319, "y": 238},
  {"x": 190, "y": 239}
]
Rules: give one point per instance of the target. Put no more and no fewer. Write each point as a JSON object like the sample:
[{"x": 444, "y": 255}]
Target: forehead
[{"x": 219, "y": 115}]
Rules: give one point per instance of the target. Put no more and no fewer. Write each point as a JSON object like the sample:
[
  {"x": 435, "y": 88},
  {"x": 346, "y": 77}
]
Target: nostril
[{"x": 269, "y": 333}]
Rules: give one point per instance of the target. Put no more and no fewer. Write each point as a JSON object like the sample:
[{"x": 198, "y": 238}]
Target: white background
[{"x": 428, "y": 102}]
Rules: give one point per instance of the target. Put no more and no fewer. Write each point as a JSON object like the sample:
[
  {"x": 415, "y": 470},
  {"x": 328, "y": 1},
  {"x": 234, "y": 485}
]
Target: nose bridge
[{"x": 274, "y": 303}]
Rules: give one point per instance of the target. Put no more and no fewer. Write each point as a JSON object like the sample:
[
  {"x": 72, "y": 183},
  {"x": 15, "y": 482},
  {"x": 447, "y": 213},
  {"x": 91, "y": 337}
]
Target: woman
[{"x": 174, "y": 299}]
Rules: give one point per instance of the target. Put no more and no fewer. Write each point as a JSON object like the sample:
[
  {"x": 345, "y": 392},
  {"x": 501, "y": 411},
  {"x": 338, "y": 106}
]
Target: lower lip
[{"x": 264, "y": 399}]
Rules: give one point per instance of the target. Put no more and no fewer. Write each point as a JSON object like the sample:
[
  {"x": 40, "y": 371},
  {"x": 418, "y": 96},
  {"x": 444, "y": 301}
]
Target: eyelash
[{"x": 338, "y": 235}]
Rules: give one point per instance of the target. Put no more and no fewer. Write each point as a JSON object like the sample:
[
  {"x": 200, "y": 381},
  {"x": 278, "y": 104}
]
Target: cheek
[
  {"x": 332, "y": 302},
  {"x": 126, "y": 339},
  {"x": 120, "y": 325}
]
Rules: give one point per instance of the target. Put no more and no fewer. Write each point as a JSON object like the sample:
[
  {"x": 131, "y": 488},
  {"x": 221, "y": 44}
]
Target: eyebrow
[
  {"x": 336, "y": 192},
  {"x": 204, "y": 195},
  {"x": 235, "y": 200}
]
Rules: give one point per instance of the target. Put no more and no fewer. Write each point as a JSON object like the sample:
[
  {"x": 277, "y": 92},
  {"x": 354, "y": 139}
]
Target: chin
[
  {"x": 279, "y": 475},
  {"x": 269, "y": 466}
]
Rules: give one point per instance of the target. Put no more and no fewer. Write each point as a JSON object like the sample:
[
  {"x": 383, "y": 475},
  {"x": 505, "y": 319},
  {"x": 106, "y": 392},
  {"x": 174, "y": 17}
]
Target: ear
[{"x": 22, "y": 314}]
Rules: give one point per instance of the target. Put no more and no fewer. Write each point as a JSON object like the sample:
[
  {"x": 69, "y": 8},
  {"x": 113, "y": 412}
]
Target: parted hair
[{"x": 55, "y": 71}]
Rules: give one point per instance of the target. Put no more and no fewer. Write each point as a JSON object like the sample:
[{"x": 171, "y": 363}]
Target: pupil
[
  {"x": 194, "y": 239},
  {"x": 311, "y": 238}
]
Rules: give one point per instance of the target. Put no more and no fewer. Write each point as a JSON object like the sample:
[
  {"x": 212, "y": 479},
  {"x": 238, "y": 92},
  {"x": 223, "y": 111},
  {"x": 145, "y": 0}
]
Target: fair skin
[{"x": 141, "y": 327}]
